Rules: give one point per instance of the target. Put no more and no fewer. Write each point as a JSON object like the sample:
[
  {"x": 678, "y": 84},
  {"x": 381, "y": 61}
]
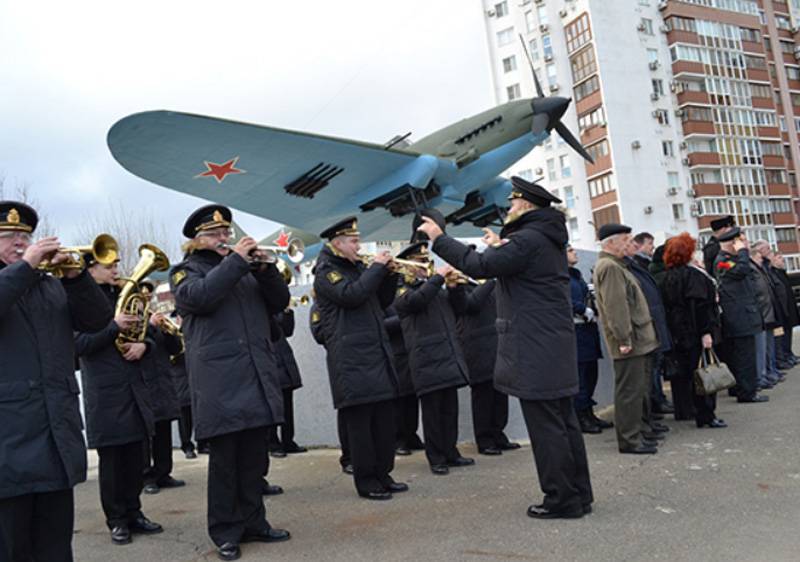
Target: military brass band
[{"x": 401, "y": 336}]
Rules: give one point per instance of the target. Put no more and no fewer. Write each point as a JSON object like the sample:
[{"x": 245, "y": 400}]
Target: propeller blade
[
  {"x": 539, "y": 90},
  {"x": 539, "y": 123},
  {"x": 572, "y": 141}
]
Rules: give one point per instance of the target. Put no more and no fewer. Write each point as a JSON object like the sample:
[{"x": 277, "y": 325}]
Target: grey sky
[{"x": 363, "y": 69}]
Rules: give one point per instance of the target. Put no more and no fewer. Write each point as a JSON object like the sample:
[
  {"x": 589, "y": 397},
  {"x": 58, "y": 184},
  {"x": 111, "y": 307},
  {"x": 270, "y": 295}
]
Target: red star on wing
[
  {"x": 219, "y": 171},
  {"x": 282, "y": 240}
]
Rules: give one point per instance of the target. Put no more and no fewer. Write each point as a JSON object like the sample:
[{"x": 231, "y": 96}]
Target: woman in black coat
[{"x": 690, "y": 298}]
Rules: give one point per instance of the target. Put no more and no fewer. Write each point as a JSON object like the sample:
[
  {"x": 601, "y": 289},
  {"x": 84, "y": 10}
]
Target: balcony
[
  {"x": 602, "y": 164},
  {"x": 778, "y": 189},
  {"x": 593, "y": 134},
  {"x": 788, "y": 58},
  {"x": 773, "y": 161},
  {"x": 698, "y": 98},
  {"x": 757, "y": 75},
  {"x": 709, "y": 190},
  {"x": 604, "y": 199},
  {"x": 687, "y": 67},
  {"x": 785, "y": 34},
  {"x": 788, "y": 247},
  {"x": 763, "y": 103},
  {"x": 680, "y": 36},
  {"x": 783, "y": 219},
  {"x": 703, "y": 159},
  {"x": 593, "y": 100},
  {"x": 698, "y": 128},
  {"x": 794, "y": 84},
  {"x": 769, "y": 132}
]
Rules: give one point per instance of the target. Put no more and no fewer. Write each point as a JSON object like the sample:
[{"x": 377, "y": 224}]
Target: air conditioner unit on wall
[
  {"x": 691, "y": 192},
  {"x": 636, "y": 145},
  {"x": 672, "y": 191},
  {"x": 678, "y": 113},
  {"x": 685, "y": 161},
  {"x": 662, "y": 5},
  {"x": 490, "y": 13},
  {"x": 548, "y": 57},
  {"x": 538, "y": 171},
  {"x": 554, "y": 87},
  {"x": 694, "y": 210},
  {"x": 683, "y": 145},
  {"x": 653, "y": 65},
  {"x": 648, "y": 210},
  {"x": 641, "y": 27},
  {"x": 664, "y": 28},
  {"x": 562, "y": 13},
  {"x": 654, "y": 96},
  {"x": 544, "y": 28}
]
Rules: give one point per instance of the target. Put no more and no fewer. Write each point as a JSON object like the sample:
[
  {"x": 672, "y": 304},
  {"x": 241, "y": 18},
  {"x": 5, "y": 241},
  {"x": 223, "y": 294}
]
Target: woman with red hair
[{"x": 690, "y": 298}]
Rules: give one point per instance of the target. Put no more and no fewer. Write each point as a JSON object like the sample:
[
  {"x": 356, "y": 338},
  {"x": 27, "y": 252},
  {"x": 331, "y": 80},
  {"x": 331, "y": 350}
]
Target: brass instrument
[
  {"x": 130, "y": 299},
  {"x": 168, "y": 326},
  {"x": 285, "y": 271},
  {"x": 460, "y": 278},
  {"x": 293, "y": 251},
  {"x": 104, "y": 250},
  {"x": 302, "y": 300},
  {"x": 408, "y": 268}
]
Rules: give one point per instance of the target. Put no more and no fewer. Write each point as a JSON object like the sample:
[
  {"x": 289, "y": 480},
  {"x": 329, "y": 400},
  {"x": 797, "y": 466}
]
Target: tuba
[
  {"x": 130, "y": 299},
  {"x": 104, "y": 250}
]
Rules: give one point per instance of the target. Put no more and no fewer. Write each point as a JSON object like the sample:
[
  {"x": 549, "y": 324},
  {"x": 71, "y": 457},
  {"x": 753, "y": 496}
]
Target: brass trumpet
[
  {"x": 408, "y": 268},
  {"x": 460, "y": 278},
  {"x": 294, "y": 251},
  {"x": 104, "y": 250}
]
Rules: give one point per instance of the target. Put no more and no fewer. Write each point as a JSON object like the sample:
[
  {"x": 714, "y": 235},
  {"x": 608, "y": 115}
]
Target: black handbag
[{"x": 712, "y": 375}]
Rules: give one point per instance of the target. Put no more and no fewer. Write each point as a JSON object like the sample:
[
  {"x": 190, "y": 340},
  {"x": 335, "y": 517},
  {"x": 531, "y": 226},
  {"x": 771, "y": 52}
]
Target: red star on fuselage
[
  {"x": 219, "y": 171},
  {"x": 282, "y": 240}
]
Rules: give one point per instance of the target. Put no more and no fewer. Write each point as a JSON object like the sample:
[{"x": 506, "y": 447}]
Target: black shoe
[
  {"x": 378, "y": 495},
  {"x": 509, "y": 446},
  {"x": 416, "y": 444},
  {"x": 733, "y": 392},
  {"x": 294, "y": 449},
  {"x": 653, "y": 436},
  {"x": 151, "y": 488},
  {"x": 587, "y": 424},
  {"x": 170, "y": 482},
  {"x": 587, "y": 508},
  {"x": 648, "y": 443},
  {"x": 278, "y": 453},
  {"x": 765, "y": 386},
  {"x": 347, "y": 469},
  {"x": 395, "y": 487},
  {"x": 204, "y": 449},
  {"x": 599, "y": 422},
  {"x": 753, "y": 398},
  {"x": 189, "y": 454},
  {"x": 144, "y": 526},
  {"x": 490, "y": 451},
  {"x": 541, "y": 512},
  {"x": 656, "y": 417},
  {"x": 229, "y": 551},
  {"x": 402, "y": 451},
  {"x": 659, "y": 427},
  {"x": 713, "y": 423},
  {"x": 121, "y": 535},
  {"x": 461, "y": 461},
  {"x": 270, "y": 535},
  {"x": 664, "y": 407},
  {"x": 268, "y": 489},
  {"x": 440, "y": 469},
  {"x": 639, "y": 450}
]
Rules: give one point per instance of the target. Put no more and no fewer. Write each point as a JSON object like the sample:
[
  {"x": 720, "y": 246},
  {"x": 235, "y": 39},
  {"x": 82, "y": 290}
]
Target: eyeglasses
[
  {"x": 226, "y": 233},
  {"x": 14, "y": 234}
]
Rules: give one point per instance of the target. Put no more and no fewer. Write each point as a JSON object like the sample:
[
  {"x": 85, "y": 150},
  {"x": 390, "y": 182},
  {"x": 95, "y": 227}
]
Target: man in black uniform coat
[
  {"x": 741, "y": 316},
  {"x": 476, "y": 312},
  {"x": 225, "y": 302},
  {"x": 43, "y": 455},
  {"x": 351, "y": 299},
  {"x": 119, "y": 416},
  {"x": 718, "y": 227},
  {"x": 536, "y": 358},
  {"x": 164, "y": 403},
  {"x": 406, "y": 412},
  {"x": 290, "y": 381},
  {"x": 437, "y": 364},
  {"x": 180, "y": 379}
]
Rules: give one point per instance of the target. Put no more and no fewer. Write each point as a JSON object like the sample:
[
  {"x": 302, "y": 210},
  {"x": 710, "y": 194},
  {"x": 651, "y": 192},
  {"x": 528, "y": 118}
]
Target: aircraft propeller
[{"x": 547, "y": 112}]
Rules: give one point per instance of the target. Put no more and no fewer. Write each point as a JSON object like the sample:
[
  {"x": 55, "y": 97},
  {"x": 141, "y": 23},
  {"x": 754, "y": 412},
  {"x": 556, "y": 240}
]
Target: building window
[
  {"x": 552, "y": 79},
  {"x": 505, "y": 36},
  {"x": 569, "y": 197},
  {"x": 662, "y": 116},
  {"x": 583, "y": 64},
  {"x": 600, "y": 185},
  {"x": 673, "y": 180},
  {"x": 646, "y": 26},
  {"x": 509, "y": 63},
  {"x": 596, "y": 117},
  {"x": 530, "y": 21},
  {"x": 667, "y": 149},
  {"x": 573, "y": 229},
  {"x": 652, "y": 55},
  {"x": 547, "y": 46},
  {"x": 681, "y": 24},
  {"x": 760, "y": 91},
  {"x": 658, "y": 86},
  {"x": 526, "y": 174},
  {"x": 605, "y": 216},
  {"x": 501, "y": 9},
  {"x": 785, "y": 235},
  {"x": 597, "y": 150},
  {"x": 578, "y": 33},
  {"x": 541, "y": 14},
  {"x": 782, "y": 22},
  {"x": 513, "y": 92},
  {"x": 793, "y": 73},
  {"x": 586, "y": 88},
  {"x": 752, "y": 35},
  {"x": 780, "y": 205},
  {"x": 566, "y": 170},
  {"x": 551, "y": 169},
  {"x": 677, "y": 211},
  {"x": 533, "y": 46}
]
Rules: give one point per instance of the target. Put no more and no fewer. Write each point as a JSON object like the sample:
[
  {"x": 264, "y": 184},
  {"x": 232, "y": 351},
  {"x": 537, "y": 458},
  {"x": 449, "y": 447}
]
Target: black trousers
[
  {"x": 185, "y": 428},
  {"x": 344, "y": 441},
  {"x": 740, "y": 356},
  {"x": 121, "y": 478},
  {"x": 235, "y": 467},
  {"x": 287, "y": 427},
  {"x": 440, "y": 424},
  {"x": 489, "y": 415},
  {"x": 406, "y": 421},
  {"x": 159, "y": 452},
  {"x": 559, "y": 453},
  {"x": 37, "y": 527},
  {"x": 370, "y": 433}
]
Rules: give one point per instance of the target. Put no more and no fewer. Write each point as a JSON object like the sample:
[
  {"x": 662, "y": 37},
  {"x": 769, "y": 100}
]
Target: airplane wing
[{"x": 299, "y": 179}]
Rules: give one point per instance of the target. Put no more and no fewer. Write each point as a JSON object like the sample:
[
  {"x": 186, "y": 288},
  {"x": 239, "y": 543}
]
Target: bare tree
[
  {"x": 22, "y": 192},
  {"x": 131, "y": 228}
]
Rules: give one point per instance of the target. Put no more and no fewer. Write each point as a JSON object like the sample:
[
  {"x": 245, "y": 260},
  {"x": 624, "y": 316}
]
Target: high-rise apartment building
[{"x": 687, "y": 106}]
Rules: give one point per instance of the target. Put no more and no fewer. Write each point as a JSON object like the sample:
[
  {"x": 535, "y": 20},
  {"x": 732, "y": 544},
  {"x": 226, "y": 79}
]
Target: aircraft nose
[{"x": 548, "y": 112}]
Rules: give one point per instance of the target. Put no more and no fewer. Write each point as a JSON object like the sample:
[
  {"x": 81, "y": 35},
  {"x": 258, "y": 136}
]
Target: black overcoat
[
  {"x": 793, "y": 318},
  {"x": 351, "y": 299},
  {"x": 587, "y": 334},
  {"x": 180, "y": 378},
  {"x": 229, "y": 355},
  {"x": 475, "y": 307},
  {"x": 652, "y": 294},
  {"x": 429, "y": 330},
  {"x": 403, "y": 370},
  {"x": 41, "y": 445},
  {"x": 116, "y": 400},
  {"x": 287, "y": 365},
  {"x": 536, "y": 351},
  {"x": 158, "y": 376},
  {"x": 741, "y": 315}
]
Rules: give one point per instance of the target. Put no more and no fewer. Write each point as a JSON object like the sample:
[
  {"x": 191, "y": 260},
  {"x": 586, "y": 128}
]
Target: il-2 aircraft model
[{"x": 307, "y": 181}]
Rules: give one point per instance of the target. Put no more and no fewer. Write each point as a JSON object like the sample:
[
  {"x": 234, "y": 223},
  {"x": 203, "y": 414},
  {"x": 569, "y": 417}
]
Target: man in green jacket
[{"x": 629, "y": 333}]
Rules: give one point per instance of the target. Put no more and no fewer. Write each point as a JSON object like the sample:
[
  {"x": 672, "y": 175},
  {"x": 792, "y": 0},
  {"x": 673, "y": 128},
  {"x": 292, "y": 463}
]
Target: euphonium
[
  {"x": 131, "y": 301},
  {"x": 294, "y": 251},
  {"x": 104, "y": 250}
]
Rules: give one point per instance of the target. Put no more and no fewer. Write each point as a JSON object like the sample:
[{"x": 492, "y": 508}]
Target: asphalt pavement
[{"x": 708, "y": 495}]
